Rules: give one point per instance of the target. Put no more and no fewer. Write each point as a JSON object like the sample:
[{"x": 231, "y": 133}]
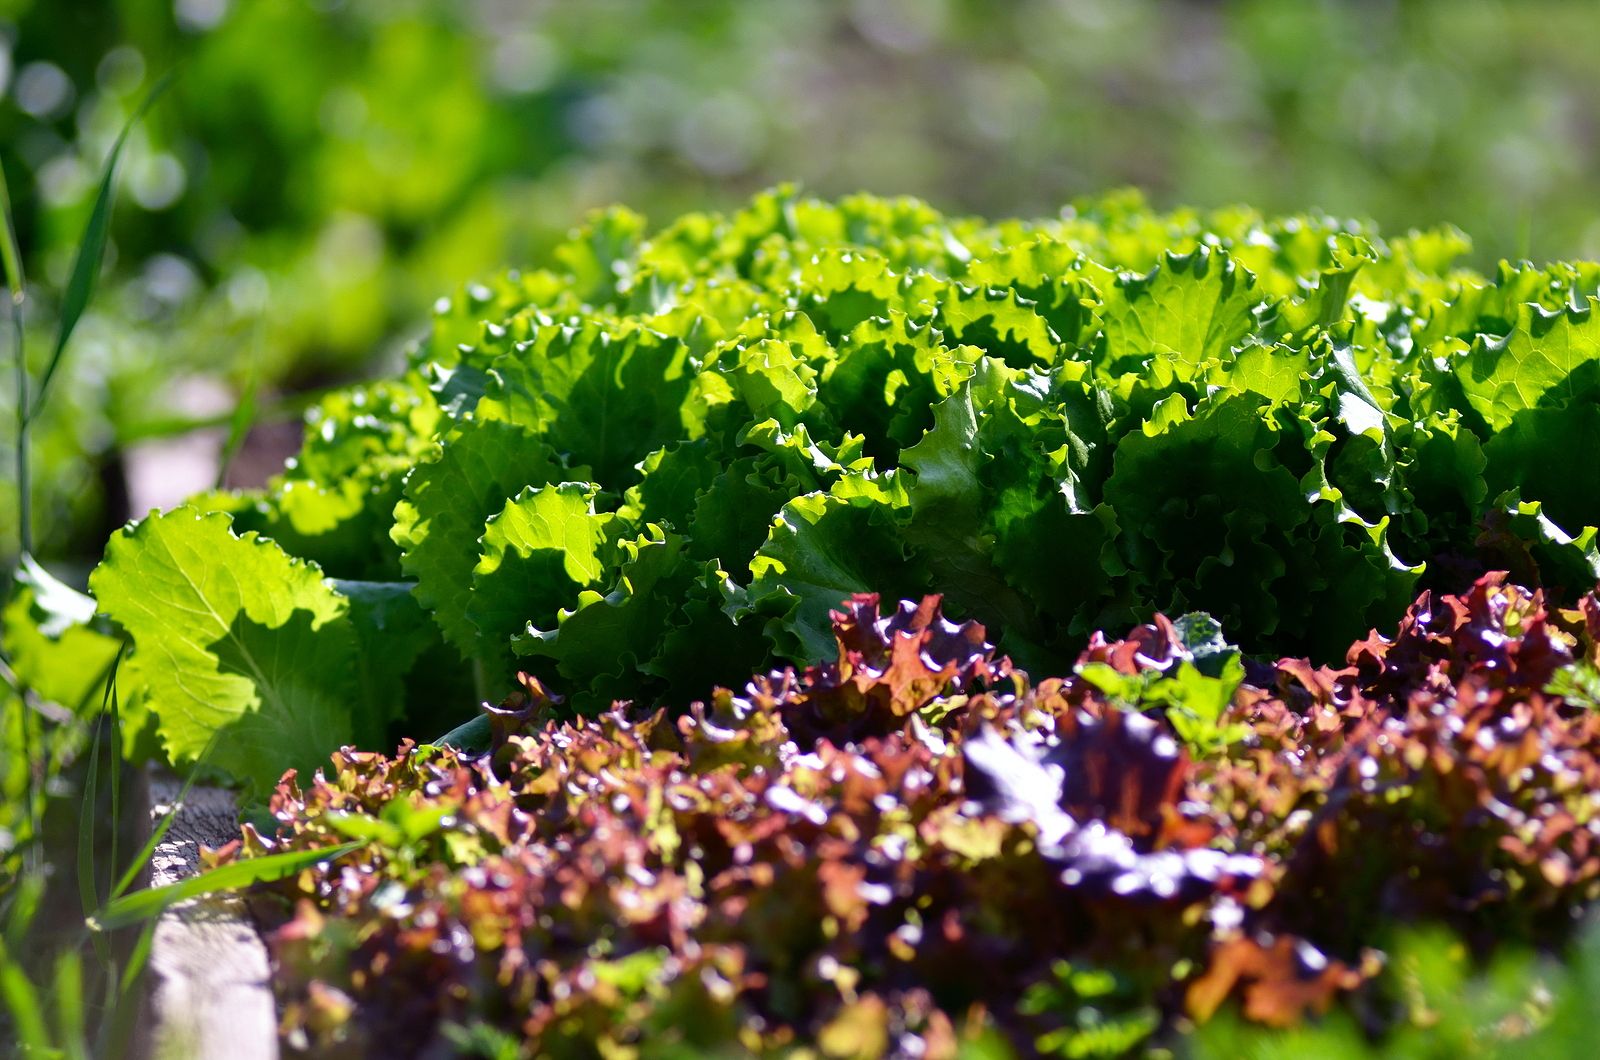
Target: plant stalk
[{"x": 24, "y": 460}]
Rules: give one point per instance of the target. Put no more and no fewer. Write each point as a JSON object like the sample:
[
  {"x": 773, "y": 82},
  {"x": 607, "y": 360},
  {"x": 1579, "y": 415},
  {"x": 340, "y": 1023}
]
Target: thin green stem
[
  {"x": 244, "y": 413},
  {"x": 24, "y": 460},
  {"x": 16, "y": 282},
  {"x": 116, "y": 759},
  {"x": 31, "y": 805}
]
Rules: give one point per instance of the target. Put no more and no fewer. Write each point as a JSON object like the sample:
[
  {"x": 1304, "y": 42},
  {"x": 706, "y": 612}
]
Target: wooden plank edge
[{"x": 210, "y": 986}]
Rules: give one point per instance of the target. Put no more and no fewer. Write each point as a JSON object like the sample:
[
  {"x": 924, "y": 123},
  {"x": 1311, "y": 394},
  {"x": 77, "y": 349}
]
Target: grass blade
[
  {"x": 31, "y": 809},
  {"x": 22, "y": 909},
  {"x": 18, "y": 285},
  {"x": 142, "y": 905},
  {"x": 91, "y": 250},
  {"x": 89, "y": 806},
  {"x": 27, "y": 1013},
  {"x": 137, "y": 959},
  {"x": 10, "y": 258},
  {"x": 245, "y": 413},
  {"x": 86, "y": 820},
  {"x": 159, "y": 832},
  {"x": 116, "y": 1033},
  {"x": 116, "y": 759},
  {"x": 68, "y": 991},
  {"x": 244, "y": 417}
]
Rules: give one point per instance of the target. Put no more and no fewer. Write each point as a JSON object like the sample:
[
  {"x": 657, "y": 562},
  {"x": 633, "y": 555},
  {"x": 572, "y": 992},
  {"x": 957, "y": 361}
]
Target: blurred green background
[{"x": 323, "y": 169}]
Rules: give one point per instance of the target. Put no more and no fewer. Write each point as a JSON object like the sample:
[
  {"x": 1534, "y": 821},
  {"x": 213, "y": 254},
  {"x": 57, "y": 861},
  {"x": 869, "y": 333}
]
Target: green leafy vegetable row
[
  {"x": 655, "y": 464},
  {"x": 914, "y": 846}
]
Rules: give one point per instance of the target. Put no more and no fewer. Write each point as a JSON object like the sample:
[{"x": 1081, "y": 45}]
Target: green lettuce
[{"x": 659, "y": 462}]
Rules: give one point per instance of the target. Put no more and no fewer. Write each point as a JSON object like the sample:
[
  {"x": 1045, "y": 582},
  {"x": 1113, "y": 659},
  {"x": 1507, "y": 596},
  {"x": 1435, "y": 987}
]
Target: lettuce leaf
[{"x": 663, "y": 459}]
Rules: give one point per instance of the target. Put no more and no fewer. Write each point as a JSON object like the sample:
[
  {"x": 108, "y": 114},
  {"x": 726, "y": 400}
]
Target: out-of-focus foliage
[
  {"x": 55, "y": 663},
  {"x": 893, "y": 851},
  {"x": 1449, "y": 1003},
  {"x": 61, "y": 760},
  {"x": 325, "y": 166}
]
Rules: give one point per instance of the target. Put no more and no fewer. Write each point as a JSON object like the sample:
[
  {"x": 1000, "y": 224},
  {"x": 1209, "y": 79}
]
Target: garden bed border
[{"x": 209, "y": 982}]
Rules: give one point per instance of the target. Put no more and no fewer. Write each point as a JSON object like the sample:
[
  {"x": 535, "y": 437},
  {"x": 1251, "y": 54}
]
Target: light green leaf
[
  {"x": 839, "y": 288},
  {"x": 231, "y": 634},
  {"x": 823, "y": 547},
  {"x": 886, "y": 376},
  {"x": 603, "y": 396},
  {"x": 616, "y": 634},
  {"x": 773, "y": 381},
  {"x": 1190, "y": 309},
  {"x": 996, "y": 321},
  {"x": 598, "y": 256},
  {"x": 64, "y": 663},
  {"x": 539, "y": 552},
  {"x": 1040, "y": 270},
  {"x": 673, "y": 477},
  {"x": 733, "y": 514},
  {"x": 982, "y": 482},
  {"x": 447, "y": 502},
  {"x": 1549, "y": 358},
  {"x": 1325, "y": 303},
  {"x": 1274, "y": 372}
]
